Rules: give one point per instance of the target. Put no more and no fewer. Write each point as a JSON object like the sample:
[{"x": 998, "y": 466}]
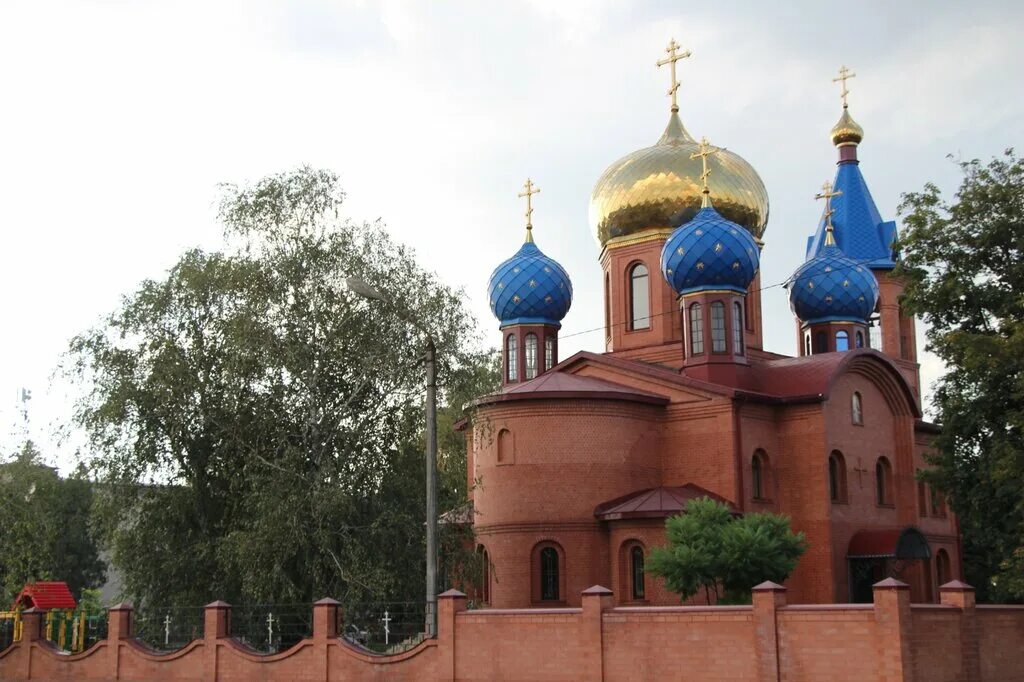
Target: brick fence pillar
[
  {"x": 119, "y": 627},
  {"x": 216, "y": 625},
  {"x": 449, "y": 605},
  {"x": 961, "y": 595},
  {"x": 326, "y": 614},
  {"x": 767, "y": 598},
  {"x": 31, "y": 632},
  {"x": 596, "y": 600},
  {"x": 892, "y": 627}
]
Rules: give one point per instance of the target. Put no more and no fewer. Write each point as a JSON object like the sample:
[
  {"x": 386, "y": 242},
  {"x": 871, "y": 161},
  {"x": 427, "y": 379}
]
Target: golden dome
[
  {"x": 659, "y": 188},
  {"x": 846, "y": 131}
]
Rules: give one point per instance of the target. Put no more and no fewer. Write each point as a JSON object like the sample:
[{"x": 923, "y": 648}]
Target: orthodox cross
[
  {"x": 706, "y": 150},
  {"x": 387, "y": 630},
  {"x": 167, "y": 629},
  {"x": 673, "y": 57},
  {"x": 844, "y": 75},
  {"x": 860, "y": 473},
  {"x": 270, "y": 629},
  {"x": 827, "y": 193},
  {"x": 531, "y": 189}
]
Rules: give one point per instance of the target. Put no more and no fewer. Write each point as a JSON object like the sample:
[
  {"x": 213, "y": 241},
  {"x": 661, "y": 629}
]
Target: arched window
[
  {"x": 636, "y": 571},
  {"x": 938, "y": 502},
  {"x": 549, "y": 353},
  {"x": 512, "y": 358},
  {"x": 883, "y": 481},
  {"x": 639, "y": 297},
  {"x": 549, "y": 578},
  {"x": 607, "y": 305},
  {"x": 821, "y": 342},
  {"x": 696, "y": 330},
  {"x": 506, "y": 447},
  {"x": 837, "y": 477},
  {"x": 807, "y": 343},
  {"x": 943, "y": 572},
  {"x": 531, "y": 356},
  {"x": 859, "y": 340},
  {"x": 856, "y": 409},
  {"x": 717, "y": 327},
  {"x": 485, "y": 574},
  {"x": 737, "y": 328},
  {"x": 760, "y": 475},
  {"x": 842, "y": 341}
]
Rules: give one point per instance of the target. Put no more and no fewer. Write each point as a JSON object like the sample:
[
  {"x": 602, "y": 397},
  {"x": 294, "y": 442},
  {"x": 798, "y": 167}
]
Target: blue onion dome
[
  {"x": 710, "y": 252},
  {"x": 529, "y": 288},
  {"x": 832, "y": 287}
]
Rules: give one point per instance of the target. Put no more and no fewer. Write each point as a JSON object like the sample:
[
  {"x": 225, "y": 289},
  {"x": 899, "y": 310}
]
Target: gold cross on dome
[
  {"x": 844, "y": 75},
  {"x": 827, "y": 193},
  {"x": 706, "y": 150},
  {"x": 673, "y": 56},
  {"x": 531, "y": 189}
]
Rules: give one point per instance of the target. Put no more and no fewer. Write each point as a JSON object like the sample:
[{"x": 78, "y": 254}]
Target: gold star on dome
[
  {"x": 700, "y": 265},
  {"x": 516, "y": 299},
  {"x": 673, "y": 56},
  {"x": 718, "y": 247},
  {"x": 533, "y": 282},
  {"x": 681, "y": 251}
]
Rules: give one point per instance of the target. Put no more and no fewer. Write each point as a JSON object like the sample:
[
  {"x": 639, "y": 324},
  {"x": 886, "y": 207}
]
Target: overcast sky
[{"x": 119, "y": 119}]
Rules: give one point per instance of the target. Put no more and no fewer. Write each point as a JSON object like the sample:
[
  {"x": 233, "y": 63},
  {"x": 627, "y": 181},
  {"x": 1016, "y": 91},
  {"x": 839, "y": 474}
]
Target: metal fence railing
[
  {"x": 385, "y": 627},
  {"x": 166, "y": 628},
  {"x": 269, "y": 628}
]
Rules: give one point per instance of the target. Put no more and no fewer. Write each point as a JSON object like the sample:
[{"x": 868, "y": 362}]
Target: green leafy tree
[
  {"x": 963, "y": 262},
  {"x": 45, "y": 532},
  {"x": 724, "y": 555},
  {"x": 258, "y": 427}
]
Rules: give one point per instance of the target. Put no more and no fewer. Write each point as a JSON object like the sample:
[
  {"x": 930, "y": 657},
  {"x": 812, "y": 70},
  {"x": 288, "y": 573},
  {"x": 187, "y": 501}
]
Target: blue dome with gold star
[
  {"x": 710, "y": 252},
  {"x": 529, "y": 288},
  {"x": 832, "y": 287}
]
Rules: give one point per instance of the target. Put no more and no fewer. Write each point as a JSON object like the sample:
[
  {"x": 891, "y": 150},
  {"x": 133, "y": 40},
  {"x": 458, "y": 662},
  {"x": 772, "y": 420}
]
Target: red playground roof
[{"x": 46, "y": 595}]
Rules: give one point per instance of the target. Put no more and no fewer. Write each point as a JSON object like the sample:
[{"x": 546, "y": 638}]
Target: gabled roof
[
  {"x": 860, "y": 232},
  {"x": 561, "y": 385},
  {"x": 46, "y": 595},
  {"x": 654, "y": 503}
]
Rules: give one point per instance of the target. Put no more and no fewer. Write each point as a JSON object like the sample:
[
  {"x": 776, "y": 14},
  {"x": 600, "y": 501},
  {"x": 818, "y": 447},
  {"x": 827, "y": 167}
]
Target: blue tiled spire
[{"x": 529, "y": 288}]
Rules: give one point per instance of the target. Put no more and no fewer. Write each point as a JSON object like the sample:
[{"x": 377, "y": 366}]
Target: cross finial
[
  {"x": 827, "y": 193},
  {"x": 673, "y": 56},
  {"x": 844, "y": 75},
  {"x": 706, "y": 150},
  {"x": 530, "y": 190}
]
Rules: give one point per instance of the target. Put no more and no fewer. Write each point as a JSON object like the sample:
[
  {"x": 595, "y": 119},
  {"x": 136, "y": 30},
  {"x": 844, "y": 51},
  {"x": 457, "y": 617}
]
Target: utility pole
[{"x": 431, "y": 488}]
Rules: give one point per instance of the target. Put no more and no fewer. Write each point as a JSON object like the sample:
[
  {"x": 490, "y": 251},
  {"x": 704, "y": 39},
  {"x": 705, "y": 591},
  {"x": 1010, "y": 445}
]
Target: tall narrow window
[
  {"x": 636, "y": 561},
  {"x": 842, "y": 341},
  {"x": 549, "y": 574},
  {"x": 737, "y": 328},
  {"x": 607, "y": 306},
  {"x": 807, "y": 343},
  {"x": 485, "y": 575},
  {"x": 856, "y": 409},
  {"x": 837, "y": 477},
  {"x": 942, "y": 569},
  {"x": 512, "y": 357},
  {"x": 883, "y": 481},
  {"x": 639, "y": 298},
  {"x": 549, "y": 353},
  {"x": 531, "y": 356},
  {"x": 756, "y": 477},
  {"x": 717, "y": 327},
  {"x": 860, "y": 340},
  {"x": 696, "y": 330}
]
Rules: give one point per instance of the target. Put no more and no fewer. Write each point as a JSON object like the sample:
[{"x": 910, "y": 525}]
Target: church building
[{"x": 575, "y": 464}]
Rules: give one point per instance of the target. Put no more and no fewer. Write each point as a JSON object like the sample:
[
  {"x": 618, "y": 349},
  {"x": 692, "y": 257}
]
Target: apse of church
[{"x": 576, "y": 463}]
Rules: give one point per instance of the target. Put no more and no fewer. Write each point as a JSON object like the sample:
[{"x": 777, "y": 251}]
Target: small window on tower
[
  {"x": 639, "y": 298},
  {"x": 717, "y": 327},
  {"x": 511, "y": 358},
  {"x": 531, "y": 356},
  {"x": 860, "y": 339},
  {"x": 842, "y": 341},
  {"x": 549, "y": 353},
  {"x": 696, "y": 330},
  {"x": 737, "y": 328},
  {"x": 856, "y": 409}
]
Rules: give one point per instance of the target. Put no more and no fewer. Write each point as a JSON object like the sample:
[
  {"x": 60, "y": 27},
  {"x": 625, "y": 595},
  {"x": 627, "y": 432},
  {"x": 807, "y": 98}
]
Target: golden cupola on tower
[{"x": 656, "y": 189}]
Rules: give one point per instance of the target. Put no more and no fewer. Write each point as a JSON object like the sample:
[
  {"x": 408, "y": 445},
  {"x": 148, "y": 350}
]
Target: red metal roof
[
  {"x": 46, "y": 595},
  {"x": 654, "y": 503},
  {"x": 556, "y": 384}
]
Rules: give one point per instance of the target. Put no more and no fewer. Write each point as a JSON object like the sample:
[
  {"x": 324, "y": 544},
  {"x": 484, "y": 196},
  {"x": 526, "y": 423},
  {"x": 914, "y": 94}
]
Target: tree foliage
[
  {"x": 45, "y": 531},
  {"x": 963, "y": 262},
  {"x": 258, "y": 426},
  {"x": 710, "y": 549}
]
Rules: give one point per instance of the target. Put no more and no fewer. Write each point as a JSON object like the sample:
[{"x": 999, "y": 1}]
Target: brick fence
[{"x": 888, "y": 640}]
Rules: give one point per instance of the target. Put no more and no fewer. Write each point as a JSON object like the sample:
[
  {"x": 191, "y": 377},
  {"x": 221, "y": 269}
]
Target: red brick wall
[{"x": 769, "y": 641}]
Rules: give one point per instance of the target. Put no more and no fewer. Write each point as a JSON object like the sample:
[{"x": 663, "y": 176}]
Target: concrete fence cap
[
  {"x": 956, "y": 586},
  {"x": 891, "y": 584},
  {"x": 768, "y": 586},
  {"x": 32, "y": 609},
  {"x": 597, "y": 590},
  {"x": 123, "y": 606},
  {"x": 327, "y": 601},
  {"x": 219, "y": 604},
  {"x": 451, "y": 594}
]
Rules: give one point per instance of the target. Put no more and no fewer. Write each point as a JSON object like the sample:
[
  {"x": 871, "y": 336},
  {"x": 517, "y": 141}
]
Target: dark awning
[{"x": 895, "y": 543}]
